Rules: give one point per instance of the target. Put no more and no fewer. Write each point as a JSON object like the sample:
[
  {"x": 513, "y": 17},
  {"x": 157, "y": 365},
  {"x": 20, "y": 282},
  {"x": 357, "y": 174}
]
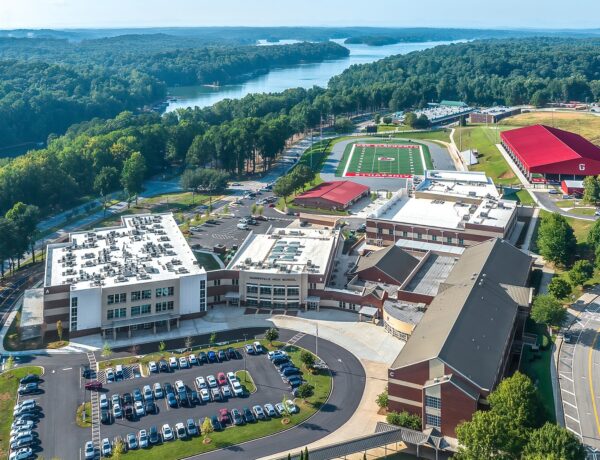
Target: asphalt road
[
  {"x": 549, "y": 202},
  {"x": 61, "y": 438}
]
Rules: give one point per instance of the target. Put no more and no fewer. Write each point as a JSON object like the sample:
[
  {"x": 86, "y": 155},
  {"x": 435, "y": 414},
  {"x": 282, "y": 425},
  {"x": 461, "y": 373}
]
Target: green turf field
[{"x": 379, "y": 159}]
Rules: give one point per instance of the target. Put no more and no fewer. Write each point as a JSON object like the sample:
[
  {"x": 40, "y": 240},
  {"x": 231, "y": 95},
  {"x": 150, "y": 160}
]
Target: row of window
[
  {"x": 280, "y": 291},
  {"x": 138, "y": 310},
  {"x": 140, "y": 295},
  {"x": 432, "y": 401},
  {"x": 73, "y": 325},
  {"x": 433, "y": 420},
  {"x": 234, "y": 282},
  {"x": 419, "y": 236}
]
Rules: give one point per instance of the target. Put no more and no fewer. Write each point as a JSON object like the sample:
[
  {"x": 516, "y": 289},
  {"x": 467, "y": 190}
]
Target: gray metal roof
[
  {"x": 393, "y": 261},
  {"x": 469, "y": 323}
]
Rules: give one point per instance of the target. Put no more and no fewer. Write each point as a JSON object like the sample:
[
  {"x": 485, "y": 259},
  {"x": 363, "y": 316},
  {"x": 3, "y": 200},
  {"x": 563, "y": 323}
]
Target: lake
[{"x": 302, "y": 75}]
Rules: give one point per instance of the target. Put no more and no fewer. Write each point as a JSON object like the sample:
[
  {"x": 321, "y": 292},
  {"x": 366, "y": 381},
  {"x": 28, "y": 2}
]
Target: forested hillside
[
  {"x": 483, "y": 72},
  {"x": 47, "y": 85}
]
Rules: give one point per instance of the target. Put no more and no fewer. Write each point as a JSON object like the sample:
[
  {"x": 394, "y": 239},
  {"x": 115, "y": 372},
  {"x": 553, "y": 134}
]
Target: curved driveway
[{"x": 439, "y": 156}]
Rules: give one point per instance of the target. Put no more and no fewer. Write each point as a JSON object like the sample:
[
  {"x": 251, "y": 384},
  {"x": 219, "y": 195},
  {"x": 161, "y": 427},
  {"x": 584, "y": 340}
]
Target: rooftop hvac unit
[{"x": 483, "y": 214}]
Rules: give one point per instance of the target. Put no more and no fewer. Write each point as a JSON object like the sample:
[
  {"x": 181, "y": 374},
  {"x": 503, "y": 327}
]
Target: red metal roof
[
  {"x": 541, "y": 147},
  {"x": 340, "y": 192}
]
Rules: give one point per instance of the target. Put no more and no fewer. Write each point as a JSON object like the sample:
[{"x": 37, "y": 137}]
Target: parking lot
[{"x": 270, "y": 388}]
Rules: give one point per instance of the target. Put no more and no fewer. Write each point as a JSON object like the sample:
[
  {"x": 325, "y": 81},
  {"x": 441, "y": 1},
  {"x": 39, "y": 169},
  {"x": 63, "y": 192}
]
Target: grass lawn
[
  {"x": 583, "y": 124},
  {"x": 536, "y": 365},
  {"x": 583, "y": 211},
  {"x": 87, "y": 407},
  {"x": 439, "y": 135},
  {"x": 491, "y": 161},
  {"x": 206, "y": 260},
  {"x": 235, "y": 435},
  {"x": 13, "y": 342},
  {"x": 525, "y": 197},
  {"x": 246, "y": 380},
  {"x": 9, "y": 382}
]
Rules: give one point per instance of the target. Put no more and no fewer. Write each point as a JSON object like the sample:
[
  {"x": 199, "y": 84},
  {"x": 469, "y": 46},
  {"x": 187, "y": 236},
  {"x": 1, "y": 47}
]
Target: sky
[{"x": 36, "y": 14}]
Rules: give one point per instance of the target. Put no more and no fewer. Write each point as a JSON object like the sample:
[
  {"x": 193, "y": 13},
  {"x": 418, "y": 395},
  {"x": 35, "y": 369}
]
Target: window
[
  {"x": 312, "y": 286},
  {"x": 461, "y": 242},
  {"x": 432, "y": 401},
  {"x": 252, "y": 289},
  {"x": 171, "y": 290},
  {"x": 122, "y": 298},
  {"x": 110, "y": 314},
  {"x": 433, "y": 420},
  {"x": 147, "y": 294},
  {"x": 202, "y": 295},
  {"x": 235, "y": 281},
  {"x": 419, "y": 236},
  {"x": 293, "y": 291},
  {"x": 165, "y": 292},
  {"x": 391, "y": 231},
  {"x": 135, "y": 311},
  {"x": 110, "y": 300},
  {"x": 146, "y": 309},
  {"x": 405, "y": 234},
  {"x": 265, "y": 290},
  {"x": 121, "y": 313},
  {"x": 73, "y": 325},
  {"x": 164, "y": 306},
  {"x": 279, "y": 291},
  {"x": 379, "y": 231},
  {"x": 135, "y": 295},
  {"x": 449, "y": 240},
  {"x": 216, "y": 282},
  {"x": 433, "y": 237}
]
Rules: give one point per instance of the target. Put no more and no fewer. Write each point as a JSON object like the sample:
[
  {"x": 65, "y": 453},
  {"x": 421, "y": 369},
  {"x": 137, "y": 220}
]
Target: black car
[
  {"x": 288, "y": 371},
  {"x": 183, "y": 397},
  {"x": 129, "y": 412},
  {"x": 33, "y": 416},
  {"x": 153, "y": 437},
  {"x": 278, "y": 360},
  {"x": 30, "y": 378},
  {"x": 105, "y": 416},
  {"x": 248, "y": 415},
  {"x": 231, "y": 353},
  {"x": 202, "y": 357},
  {"x": 86, "y": 372},
  {"x": 222, "y": 356},
  {"x": 168, "y": 388},
  {"x": 163, "y": 366},
  {"x": 194, "y": 398},
  {"x": 127, "y": 399},
  {"x": 214, "y": 421},
  {"x": 295, "y": 382},
  {"x": 150, "y": 407}
]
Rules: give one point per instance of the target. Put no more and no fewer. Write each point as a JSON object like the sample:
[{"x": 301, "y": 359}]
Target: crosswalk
[
  {"x": 296, "y": 338},
  {"x": 94, "y": 400}
]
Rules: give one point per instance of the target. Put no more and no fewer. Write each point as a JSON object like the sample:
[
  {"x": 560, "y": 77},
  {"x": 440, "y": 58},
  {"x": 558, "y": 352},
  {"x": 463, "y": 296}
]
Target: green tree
[
  {"x": 547, "y": 310},
  {"x": 253, "y": 209},
  {"x": 106, "y": 350},
  {"x": 305, "y": 390},
  {"x": 343, "y": 125},
  {"x": 516, "y": 399},
  {"x": 118, "y": 449},
  {"x": 591, "y": 189},
  {"x": 284, "y": 187},
  {"x": 559, "y": 287},
  {"x": 387, "y": 120},
  {"x": 162, "y": 346},
  {"x": 404, "y": 419},
  {"x": 59, "y": 330},
  {"x": 25, "y": 219},
  {"x": 410, "y": 119},
  {"x": 593, "y": 238},
  {"x": 553, "y": 442},
  {"x": 133, "y": 173},
  {"x": 189, "y": 341},
  {"x": 307, "y": 358},
  {"x": 9, "y": 363},
  {"x": 484, "y": 436},
  {"x": 212, "y": 339},
  {"x": 207, "y": 428},
  {"x": 581, "y": 272},
  {"x": 306, "y": 453},
  {"x": 106, "y": 181},
  {"x": 382, "y": 399},
  {"x": 271, "y": 334},
  {"x": 556, "y": 239}
]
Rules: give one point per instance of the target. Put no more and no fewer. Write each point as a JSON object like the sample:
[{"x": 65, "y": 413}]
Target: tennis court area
[{"x": 382, "y": 159}]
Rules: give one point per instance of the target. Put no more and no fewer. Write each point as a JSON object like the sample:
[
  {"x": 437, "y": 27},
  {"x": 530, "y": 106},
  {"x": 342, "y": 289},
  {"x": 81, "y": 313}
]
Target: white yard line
[
  {"x": 422, "y": 158},
  {"x": 373, "y": 162},
  {"x": 348, "y": 160}
]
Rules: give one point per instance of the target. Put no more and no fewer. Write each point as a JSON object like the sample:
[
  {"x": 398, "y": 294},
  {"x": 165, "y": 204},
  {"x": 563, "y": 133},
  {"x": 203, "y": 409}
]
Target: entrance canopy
[{"x": 369, "y": 311}]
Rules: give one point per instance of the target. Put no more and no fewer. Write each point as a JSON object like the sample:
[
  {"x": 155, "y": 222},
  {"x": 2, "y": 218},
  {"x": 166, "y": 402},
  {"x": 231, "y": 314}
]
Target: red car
[
  {"x": 94, "y": 385},
  {"x": 224, "y": 418},
  {"x": 221, "y": 379}
]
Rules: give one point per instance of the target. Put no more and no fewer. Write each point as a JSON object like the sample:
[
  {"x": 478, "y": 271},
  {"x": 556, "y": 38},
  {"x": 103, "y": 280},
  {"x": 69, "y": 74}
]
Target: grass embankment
[
  {"x": 235, "y": 435},
  {"x": 206, "y": 260},
  {"x": 536, "y": 365},
  {"x": 13, "y": 341},
  {"x": 9, "y": 383},
  {"x": 246, "y": 380},
  {"x": 584, "y": 124},
  {"x": 87, "y": 409}
]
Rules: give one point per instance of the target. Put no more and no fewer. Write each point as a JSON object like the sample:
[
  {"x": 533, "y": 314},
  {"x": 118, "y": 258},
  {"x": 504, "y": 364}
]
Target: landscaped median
[
  {"x": 9, "y": 383},
  {"x": 320, "y": 379},
  {"x": 246, "y": 381}
]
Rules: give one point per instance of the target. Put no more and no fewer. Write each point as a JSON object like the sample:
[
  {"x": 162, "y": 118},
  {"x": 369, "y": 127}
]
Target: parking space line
[
  {"x": 572, "y": 418},
  {"x": 569, "y": 404},
  {"x": 565, "y": 377},
  {"x": 568, "y": 392}
]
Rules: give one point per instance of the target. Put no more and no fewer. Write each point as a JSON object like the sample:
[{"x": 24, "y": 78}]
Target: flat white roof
[
  {"x": 458, "y": 183},
  {"x": 145, "y": 248},
  {"x": 286, "y": 250},
  {"x": 449, "y": 214},
  {"x": 500, "y": 109}
]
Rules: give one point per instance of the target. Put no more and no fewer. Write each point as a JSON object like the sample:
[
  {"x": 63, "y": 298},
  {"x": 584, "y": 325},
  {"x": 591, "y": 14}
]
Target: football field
[{"x": 384, "y": 160}]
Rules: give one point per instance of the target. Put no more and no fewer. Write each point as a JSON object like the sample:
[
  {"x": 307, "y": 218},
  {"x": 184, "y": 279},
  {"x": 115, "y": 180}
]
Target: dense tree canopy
[{"x": 556, "y": 239}]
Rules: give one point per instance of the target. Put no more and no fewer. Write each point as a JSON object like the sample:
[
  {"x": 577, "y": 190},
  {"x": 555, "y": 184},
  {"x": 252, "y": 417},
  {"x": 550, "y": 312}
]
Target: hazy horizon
[{"x": 91, "y": 14}]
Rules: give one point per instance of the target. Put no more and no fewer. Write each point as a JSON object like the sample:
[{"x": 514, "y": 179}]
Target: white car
[
  {"x": 89, "y": 450},
  {"x": 180, "y": 431},
  {"x": 103, "y": 401},
  {"x": 183, "y": 363},
  {"x": 117, "y": 412},
  {"x": 147, "y": 392},
  {"x": 167, "y": 432},
  {"x": 110, "y": 374},
  {"x": 201, "y": 383},
  {"x": 212, "y": 382},
  {"x": 237, "y": 388},
  {"x": 179, "y": 385},
  {"x": 143, "y": 438},
  {"x": 226, "y": 391},
  {"x": 106, "y": 448},
  {"x": 158, "y": 391},
  {"x": 173, "y": 362},
  {"x": 16, "y": 431},
  {"x": 152, "y": 367},
  {"x": 25, "y": 453},
  {"x": 204, "y": 395},
  {"x": 270, "y": 410},
  {"x": 139, "y": 408},
  {"x": 291, "y": 407},
  {"x": 192, "y": 359},
  {"x": 22, "y": 423},
  {"x": 231, "y": 377}
]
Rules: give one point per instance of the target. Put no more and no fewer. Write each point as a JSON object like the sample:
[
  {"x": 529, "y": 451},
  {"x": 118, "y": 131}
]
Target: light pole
[{"x": 245, "y": 353}]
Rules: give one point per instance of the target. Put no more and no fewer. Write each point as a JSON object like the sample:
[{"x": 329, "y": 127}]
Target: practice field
[{"x": 381, "y": 159}]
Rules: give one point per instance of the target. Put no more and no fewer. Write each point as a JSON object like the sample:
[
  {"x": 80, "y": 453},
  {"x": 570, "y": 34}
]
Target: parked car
[
  {"x": 204, "y": 395},
  {"x": 168, "y": 388},
  {"x": 236, "y": 417},
  {"x": 259, "y": 413},
  {"x": 110, "y": 375},
  {"x": 88, "y": 450},
  {"x": 152, "y": 366},
  {"x": 183, "y": 363},
  {"x": 180, "y": 431},
  {"x": 94, "y": 385},
  {"x": 22, "y": 441},
  {"x": 237, "y": 388},
  {"x": 29, "y": 378},
  {"x": 294, "y": 381},
  {"x": 173, "y": 362},
  {"x": 203, "y": 357},
  {"x": 248, "y": 415},
  {"x": 212, "y": 382},
  {"x": 29, "y": 424},
  {"x": 163, "y": 366},
  {"x": 129, "y": 412},
  {"x": 153, "y": 436},
  {"x": 105, "y": 416},
  {"x": 191, "y": 427},
  {"x": 117, "y": 412},
  {"x": 222, "y": 356},
  {"x": 132, "y": 442},
  {"x": 243, "y": 226},
  {"x": 226, "y": 391},
  {"x": 171, "y": 400},
  {"x": 224, "y": 417},
  {"x": 231, "y": 353},
  {"x": 289, "y": 371},
  {"x": 103, "y": 401},
  {"x": 158, "y": 391},
  {"x": 119, "y": 375},
  {"x": 221, "y": 379},
  {"x": 216, "y": 425},
  {"x": 249, "y": 349},
  {"x": 143, "y": 439},
  {"x": 22, "y": 454},
  {"x": 270, "y": 410},
  {"x": 193, "y": 397},
  {"x": 193, "y": 360},
  {"x": 137, "y": 395},
  {"x": 215, "y": 394},
  {"x": 291, "y": 407},
  {"x": 139, "y": 409},
  {"x": 231, "y": 376},
  {"x": 279, "y": 360},
  {"x": 30, "y": 388},
  {"x": 553, "y": 191},
  {"x": 280, "y": 409},
  {"x": 127, "y": 398},
  {"x": 212, "y": 357},
  {"x": 150, "y": 407},
  {"x": 106, "y": 448},
  {"x": 201, "y": 382},
  {"x": 179, "y": 385},
  {"x": 167, "y": 432}
]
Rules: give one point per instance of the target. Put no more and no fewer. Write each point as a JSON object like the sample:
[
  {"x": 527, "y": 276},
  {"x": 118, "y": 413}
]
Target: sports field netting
[{"x": 384, "y": 160}]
